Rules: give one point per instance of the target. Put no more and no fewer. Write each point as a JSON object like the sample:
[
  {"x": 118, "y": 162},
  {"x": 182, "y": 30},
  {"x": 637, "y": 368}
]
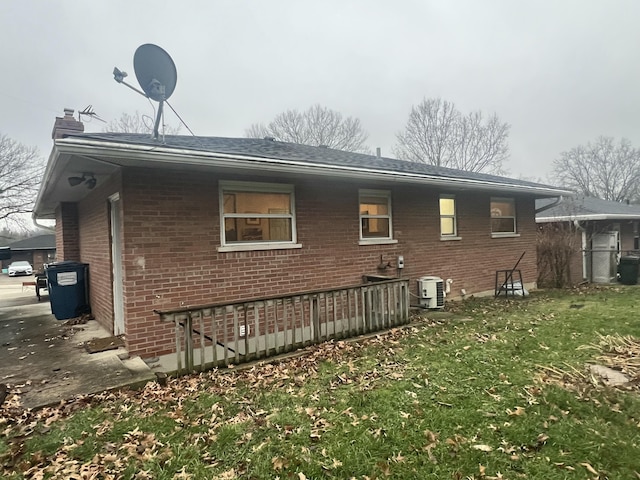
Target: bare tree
[
  {"x": 439, "y": 134},
  {"x": 557, "y": 244},
  {"x": 601, "y": 169},
  {"x": 316, "y": 126},
  {"x": 137, "y": 123},
  {"x": 21, "y": 170}
]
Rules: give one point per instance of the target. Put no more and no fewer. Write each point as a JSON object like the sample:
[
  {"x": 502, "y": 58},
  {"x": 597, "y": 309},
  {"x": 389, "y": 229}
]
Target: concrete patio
[{"x": 44, "y": 359}]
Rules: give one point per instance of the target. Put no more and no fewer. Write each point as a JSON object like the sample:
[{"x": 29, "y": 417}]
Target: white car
[{"x": 20, "y": 268}]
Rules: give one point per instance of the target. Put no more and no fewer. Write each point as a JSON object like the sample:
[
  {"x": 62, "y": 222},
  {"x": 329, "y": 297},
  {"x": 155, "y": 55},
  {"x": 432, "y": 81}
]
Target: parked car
[{"x": 20, "y": 268}]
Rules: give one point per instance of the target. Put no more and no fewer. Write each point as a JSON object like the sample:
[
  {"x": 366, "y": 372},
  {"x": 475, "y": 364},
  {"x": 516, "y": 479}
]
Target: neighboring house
[
  {"x": 607, "y": 231},
  {"x": 36, "y": 250},
  {"x": 191, "y": 221}
]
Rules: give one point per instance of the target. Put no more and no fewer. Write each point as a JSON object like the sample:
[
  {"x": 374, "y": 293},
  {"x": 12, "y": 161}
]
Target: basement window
[
  {"x": 257, "y": 216},
  {"x": 375, "y": 217},
  {"x": 503, "y": 217}
]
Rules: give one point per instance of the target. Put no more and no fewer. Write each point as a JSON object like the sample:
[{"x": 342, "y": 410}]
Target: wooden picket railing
[{"x": 231, "y": 333}]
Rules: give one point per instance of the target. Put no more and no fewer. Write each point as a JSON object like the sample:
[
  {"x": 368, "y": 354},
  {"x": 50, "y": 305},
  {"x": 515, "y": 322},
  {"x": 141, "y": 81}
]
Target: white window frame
[
  {"x": 454, "y": 235},
  {"x": 256, "y": 187},
  {"x": 514, "y": 233},
  {"x": 386, "y": 194}
]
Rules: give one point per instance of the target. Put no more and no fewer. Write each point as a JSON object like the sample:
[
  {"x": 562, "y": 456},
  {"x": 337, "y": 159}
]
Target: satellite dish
[
  {"x": 155, "y": 71},
  {"x": 156, "y": 74}
]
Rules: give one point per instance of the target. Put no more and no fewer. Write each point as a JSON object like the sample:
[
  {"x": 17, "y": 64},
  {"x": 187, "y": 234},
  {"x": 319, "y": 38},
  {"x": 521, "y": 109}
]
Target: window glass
[
  {"x": 256, "y": 202},
  {"x": 447, "y": 216},
  {"x": 374, "y": 205},
  {"x": 375, "y": 228},
  {"x": 254, "y": 216},
  {"x": 502, "y": 225},
  {"x": 503, "y": 215},
  {"x": 447, "y": 206},
  {"x": 447, "y": 226},
  {"x": 375, "y": 214},
  {"x": 503, "y": 208}
]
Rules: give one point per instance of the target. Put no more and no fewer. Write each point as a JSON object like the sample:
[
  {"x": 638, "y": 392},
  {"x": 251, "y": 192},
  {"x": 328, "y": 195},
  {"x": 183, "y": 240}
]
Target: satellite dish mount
[{"x": 156, "y": 74}]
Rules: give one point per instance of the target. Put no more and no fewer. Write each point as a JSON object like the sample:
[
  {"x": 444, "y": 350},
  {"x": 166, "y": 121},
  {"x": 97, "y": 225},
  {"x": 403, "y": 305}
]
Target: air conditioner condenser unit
[{"x": 431, "y": 292}]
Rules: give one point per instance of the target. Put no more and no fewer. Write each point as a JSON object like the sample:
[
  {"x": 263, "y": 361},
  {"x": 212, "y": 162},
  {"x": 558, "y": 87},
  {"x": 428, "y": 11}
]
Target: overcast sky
[{"x": 559, "y": 72}]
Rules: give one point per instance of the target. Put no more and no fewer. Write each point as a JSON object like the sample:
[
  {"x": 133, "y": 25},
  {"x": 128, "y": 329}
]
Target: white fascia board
[
  {"x": 46, "y": 179},
  {"x": 593, "y": 216},
  {"x": 123, "y": 151}
]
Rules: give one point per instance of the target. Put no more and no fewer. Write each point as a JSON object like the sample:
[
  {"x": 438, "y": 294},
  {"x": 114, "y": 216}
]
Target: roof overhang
[
  {"x": 588, "y": 217},
  {"x": 74, "y": 156}
]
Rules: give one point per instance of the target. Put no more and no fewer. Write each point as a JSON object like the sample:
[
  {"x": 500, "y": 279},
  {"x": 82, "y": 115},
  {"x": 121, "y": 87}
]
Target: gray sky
[{"x": 559, "y": 72}]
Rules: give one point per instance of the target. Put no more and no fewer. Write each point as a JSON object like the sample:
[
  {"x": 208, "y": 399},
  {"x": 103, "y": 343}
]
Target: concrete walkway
[{"x": 44, "y": 359}]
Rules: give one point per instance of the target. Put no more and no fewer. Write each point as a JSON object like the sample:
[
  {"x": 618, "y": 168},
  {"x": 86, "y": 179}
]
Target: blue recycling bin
[{"x": 68, "y": 292}]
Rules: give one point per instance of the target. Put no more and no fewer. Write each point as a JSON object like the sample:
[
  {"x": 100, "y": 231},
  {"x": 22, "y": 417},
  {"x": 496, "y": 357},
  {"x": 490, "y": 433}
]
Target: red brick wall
[
  {"x": 40, "y": 257},
  {"x": 67, "y": 232},
  {"x": 95, "y": 249},
  {"x": 172, "y": 229},
  {"x": 472, "y": 261}
]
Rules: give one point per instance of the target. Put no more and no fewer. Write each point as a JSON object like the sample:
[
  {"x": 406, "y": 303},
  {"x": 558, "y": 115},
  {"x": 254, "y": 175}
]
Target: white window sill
[
  {"x": 377, "y": 241},
  {"x": 505, "y": 235},
  {"x": 247, "y": 247},
  {"x": 447, "y": 238}
]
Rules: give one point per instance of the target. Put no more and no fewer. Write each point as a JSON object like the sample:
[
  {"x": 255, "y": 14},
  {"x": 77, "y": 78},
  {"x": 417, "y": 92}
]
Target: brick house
[
  {"x": 191, "y": 221},
  {"x": 605, "y": 231},
  {"x": 36, "y": 250}
]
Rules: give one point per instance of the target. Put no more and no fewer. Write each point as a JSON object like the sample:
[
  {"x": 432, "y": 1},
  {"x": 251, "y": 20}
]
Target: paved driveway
[{"x": 44, "y": 359}]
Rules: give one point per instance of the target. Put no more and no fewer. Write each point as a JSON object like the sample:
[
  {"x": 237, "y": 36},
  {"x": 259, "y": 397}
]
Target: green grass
[{"x": 460, "y": 397}]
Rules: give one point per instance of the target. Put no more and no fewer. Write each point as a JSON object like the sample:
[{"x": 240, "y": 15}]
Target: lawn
[{"x": 492, "y": 389}]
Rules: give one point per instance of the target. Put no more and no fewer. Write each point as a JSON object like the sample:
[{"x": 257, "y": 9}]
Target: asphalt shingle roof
[
  {"x": 265, "y": 148},
  {"x": 582, "y": 206},
  {"x": 39, "y": 242}
]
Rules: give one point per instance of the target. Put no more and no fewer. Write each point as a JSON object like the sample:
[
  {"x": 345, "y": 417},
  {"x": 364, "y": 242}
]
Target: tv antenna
[
  {"x": 156, "y": 74},
  {"x": 89, "y": 112}
]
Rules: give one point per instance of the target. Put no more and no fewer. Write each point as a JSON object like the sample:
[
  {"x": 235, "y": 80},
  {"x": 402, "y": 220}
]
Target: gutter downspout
[
  {"x": 576, "y": 223},
  {"x": 44, "y": 227},
  {"x": 551, "y": 205}
]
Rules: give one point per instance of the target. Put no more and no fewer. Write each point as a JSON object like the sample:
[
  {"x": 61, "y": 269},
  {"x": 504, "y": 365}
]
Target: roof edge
[
  {"x": 196, "y": 157},
  {"x": 593, "y": 216}
]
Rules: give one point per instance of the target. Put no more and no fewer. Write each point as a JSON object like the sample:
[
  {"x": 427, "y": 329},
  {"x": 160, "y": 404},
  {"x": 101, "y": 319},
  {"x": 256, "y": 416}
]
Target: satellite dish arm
[
  {"x": 157, "y": 124},
  {"x": 119, "y": 75}
]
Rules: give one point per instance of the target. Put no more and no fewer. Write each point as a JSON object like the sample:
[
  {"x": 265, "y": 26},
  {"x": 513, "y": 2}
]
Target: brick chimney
[{"x": 66, "y": 125}]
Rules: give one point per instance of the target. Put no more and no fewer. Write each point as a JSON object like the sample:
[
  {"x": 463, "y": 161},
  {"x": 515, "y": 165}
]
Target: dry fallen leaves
[
  {"x": 516, "y": 412},
  {"x": 482, "y": 448},
  {"x": 589, "y": 468},
  {"x": 279, "y": 463},
  {"x": 140, "y": 445},
  {"x": 617, "y": 352}
]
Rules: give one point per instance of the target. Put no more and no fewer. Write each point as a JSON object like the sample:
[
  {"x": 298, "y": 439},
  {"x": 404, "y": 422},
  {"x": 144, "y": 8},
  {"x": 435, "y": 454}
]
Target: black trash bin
[
  {"x": 629, "y": 269},
  {"x": 68, "y": 292}
]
